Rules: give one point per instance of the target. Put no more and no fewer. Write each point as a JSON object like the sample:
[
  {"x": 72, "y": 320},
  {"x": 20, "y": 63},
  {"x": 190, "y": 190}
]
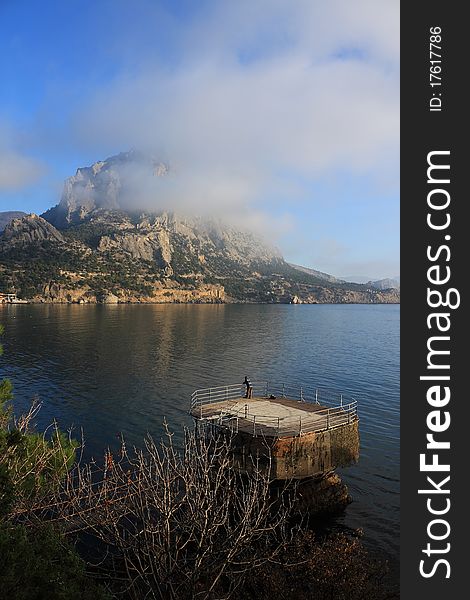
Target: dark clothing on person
[{"x": 249, "y": 388}]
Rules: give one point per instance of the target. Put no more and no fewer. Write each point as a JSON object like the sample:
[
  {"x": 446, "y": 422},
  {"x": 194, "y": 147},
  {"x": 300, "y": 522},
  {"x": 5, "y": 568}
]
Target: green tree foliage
[
  {"x": 35, "y": 563},
  {"x": 30, "y": 462},
  {"x": 40, "y": 564}
]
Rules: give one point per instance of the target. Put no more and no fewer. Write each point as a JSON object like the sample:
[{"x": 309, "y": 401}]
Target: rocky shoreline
[
  {"x": 89, "y": 249},
  {"x": 54, "y": 293},
  {"x": 189, "y": 298}
]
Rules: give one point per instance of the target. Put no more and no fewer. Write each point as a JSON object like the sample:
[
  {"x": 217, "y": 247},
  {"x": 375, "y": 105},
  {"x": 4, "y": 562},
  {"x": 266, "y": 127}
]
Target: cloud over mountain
[
  {"x": 249, "y": 105},
  {"x": 257, "y": 105}
]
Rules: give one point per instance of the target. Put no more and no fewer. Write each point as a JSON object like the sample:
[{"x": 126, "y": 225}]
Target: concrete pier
[{"x": 294, "y": 433}]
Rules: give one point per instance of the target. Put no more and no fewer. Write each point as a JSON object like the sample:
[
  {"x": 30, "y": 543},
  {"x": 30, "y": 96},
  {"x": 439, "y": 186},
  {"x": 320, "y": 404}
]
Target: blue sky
[{"x": 283, "y": 113}]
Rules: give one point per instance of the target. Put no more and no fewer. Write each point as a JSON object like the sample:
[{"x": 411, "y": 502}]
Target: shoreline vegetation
[
  {"x": 97, "y": 254},
  {"x": 162, "y": 522},
  {"x": 140, "y": 301}
]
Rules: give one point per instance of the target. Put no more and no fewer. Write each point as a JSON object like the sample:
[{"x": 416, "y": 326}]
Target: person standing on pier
[{"x": 249, "y": 388}]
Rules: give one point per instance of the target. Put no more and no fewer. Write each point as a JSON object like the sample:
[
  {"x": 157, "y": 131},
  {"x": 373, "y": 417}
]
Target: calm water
[{"x": 111, "y": 369}]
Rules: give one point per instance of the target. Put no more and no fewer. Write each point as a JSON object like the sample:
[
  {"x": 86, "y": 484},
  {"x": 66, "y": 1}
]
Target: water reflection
[{"x": 122, "y": 368}]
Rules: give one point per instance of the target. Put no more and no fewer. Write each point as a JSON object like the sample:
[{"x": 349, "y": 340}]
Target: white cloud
[
  {"x": 249, "y": 101},
  {"x": 264, "y": 88},
  {"x": 17, "y": 171}
]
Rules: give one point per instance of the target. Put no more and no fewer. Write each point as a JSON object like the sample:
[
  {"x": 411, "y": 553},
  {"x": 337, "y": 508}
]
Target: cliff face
[
  {"x": 56, "y": 293},
  {"x": 90, "y": 248},
  {"x": 29, "y": 230},
  {"x": 104, "y": 185}
]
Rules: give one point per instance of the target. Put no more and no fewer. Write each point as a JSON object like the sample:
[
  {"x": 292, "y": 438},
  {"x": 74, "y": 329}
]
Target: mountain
[
  {"x": 29, "y": 230},
  {"x": 379, "y": 284},
  {"x": 355, "y": 278},
  {"x": 9, "y": 215},
  {"x": 92, "y": 247},
  {"x": 108, "y": 184},
  {"x": 385, "y": 284},
  {"x": 317, "y": 274}
]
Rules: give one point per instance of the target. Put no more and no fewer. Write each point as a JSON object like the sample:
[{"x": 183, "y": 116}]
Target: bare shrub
[
  {"x": 174, "y": 524},
  {"x": 338, "y": 567}
]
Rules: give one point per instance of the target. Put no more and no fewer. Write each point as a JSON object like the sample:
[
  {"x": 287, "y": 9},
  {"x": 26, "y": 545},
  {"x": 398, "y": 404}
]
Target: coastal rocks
[
  {"x": 315, "y": 497},
  {"x": 52, "y": 292},
  {"x": 55, "y": 293},
  {"x": 206, "y": 294},
  {"x": 320, "y": 496},
  {"x": 104, "y": 298}
]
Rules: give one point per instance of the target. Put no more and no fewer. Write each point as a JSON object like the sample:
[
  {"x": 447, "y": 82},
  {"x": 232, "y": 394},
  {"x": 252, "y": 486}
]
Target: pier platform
[{"x": 300, "y": 432}]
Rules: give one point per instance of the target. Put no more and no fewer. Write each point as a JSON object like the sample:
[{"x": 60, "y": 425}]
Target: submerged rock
[{"x": 325, "y": 495}]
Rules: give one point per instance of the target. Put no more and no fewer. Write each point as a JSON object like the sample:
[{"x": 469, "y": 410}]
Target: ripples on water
[{"x": 122, "y": 368}]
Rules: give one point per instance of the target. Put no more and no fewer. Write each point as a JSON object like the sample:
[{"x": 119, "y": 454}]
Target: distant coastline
[
  {"x": 92, "y": 248},
  {"x": 189, "y": 302}
]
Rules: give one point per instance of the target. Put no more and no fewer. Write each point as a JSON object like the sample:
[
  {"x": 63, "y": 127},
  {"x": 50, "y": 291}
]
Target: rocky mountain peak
[
  {"x": 8, "y": 216},
  {"x": 101, "y": 200},
  {"x": 106, "y": 184},
  {"x": 98, "y": 245},
  {"x": 111, "y": 255},
  {"x": 30, "y": 229}
]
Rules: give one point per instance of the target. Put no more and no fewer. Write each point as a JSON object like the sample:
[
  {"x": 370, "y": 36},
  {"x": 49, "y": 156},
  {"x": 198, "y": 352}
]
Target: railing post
[
  {"x": 301, "y": 394},
  {"x": 246, "y": 411},
  {"x": 328, "y": 418},
  {"x": 341, "y": 400},
  {"x": 283, "y": 391},
  {"x": 316, "y": 396}
]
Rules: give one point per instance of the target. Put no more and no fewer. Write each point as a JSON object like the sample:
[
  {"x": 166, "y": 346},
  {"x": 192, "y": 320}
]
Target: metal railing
[
  {"x": 216, "y": 394},
  {"x": 336, "y": 410}
]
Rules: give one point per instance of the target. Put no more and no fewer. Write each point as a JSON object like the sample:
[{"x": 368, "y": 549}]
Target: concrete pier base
[
  {"x": 287, "y": 438},
  {"x": 310, "y": 455}
]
